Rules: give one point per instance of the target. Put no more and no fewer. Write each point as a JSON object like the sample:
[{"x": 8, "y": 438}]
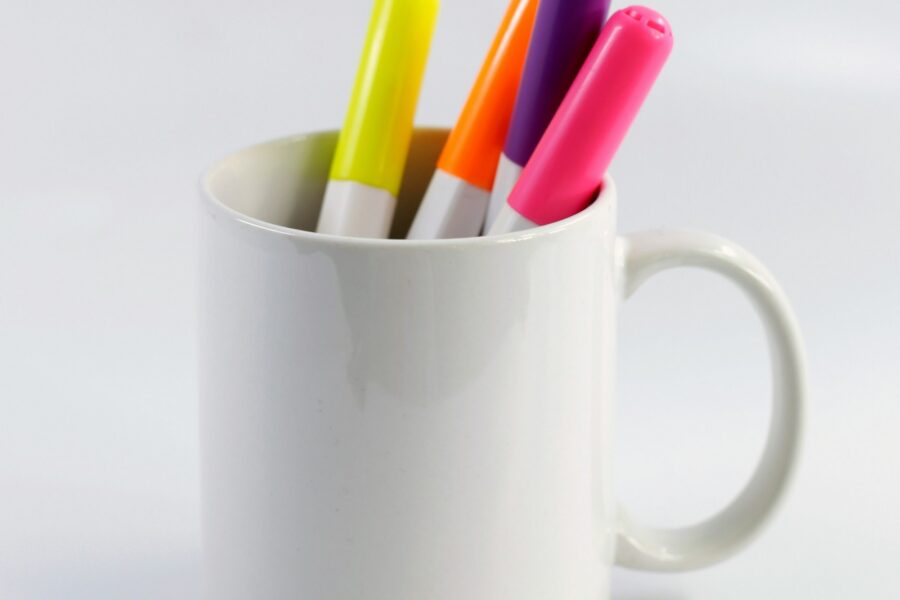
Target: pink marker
[{"x": 564, "y": 173}]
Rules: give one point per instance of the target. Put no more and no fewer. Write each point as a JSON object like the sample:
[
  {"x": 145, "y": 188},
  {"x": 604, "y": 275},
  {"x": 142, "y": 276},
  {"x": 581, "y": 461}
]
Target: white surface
[
  {"x": 774, "y": 124},
  {"x": 451, "y": 208}
]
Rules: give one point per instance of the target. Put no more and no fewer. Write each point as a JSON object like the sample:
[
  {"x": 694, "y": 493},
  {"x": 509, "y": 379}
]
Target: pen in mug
[
  {"x": 368, "y": 163},
  {"x": 457, "y": 197},
  {"x": 564, "y": 32},
  {"x": 567, "y": 166}
]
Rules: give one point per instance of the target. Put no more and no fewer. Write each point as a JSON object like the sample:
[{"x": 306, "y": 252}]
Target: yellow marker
[{"x": 371, "y": 152}]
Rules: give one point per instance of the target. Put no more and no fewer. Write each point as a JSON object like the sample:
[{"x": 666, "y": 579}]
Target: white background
[{"x": 776, "y": 124}]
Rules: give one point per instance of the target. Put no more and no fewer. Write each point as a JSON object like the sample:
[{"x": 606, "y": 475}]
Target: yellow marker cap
[{"x": 374, "y": 142}]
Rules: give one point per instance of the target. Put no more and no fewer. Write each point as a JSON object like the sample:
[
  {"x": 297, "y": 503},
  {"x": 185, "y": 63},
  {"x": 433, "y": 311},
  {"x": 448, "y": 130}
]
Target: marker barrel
[
  {"x": 477, "y": 139},
  {"x": 564, "y": 32},
  {"x": 374, "y": 141}
]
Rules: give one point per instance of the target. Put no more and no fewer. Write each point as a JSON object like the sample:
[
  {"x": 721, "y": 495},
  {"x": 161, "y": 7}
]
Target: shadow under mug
[{"x": 410, "y": 420}]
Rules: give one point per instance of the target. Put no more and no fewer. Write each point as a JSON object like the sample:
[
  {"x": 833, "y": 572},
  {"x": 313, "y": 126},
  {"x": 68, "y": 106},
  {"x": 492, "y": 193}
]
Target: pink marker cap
[{"x": 564, "y": 173}]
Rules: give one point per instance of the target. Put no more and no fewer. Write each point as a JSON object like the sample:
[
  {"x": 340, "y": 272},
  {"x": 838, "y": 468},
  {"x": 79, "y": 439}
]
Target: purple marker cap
[{"x": 564, "y": 32}]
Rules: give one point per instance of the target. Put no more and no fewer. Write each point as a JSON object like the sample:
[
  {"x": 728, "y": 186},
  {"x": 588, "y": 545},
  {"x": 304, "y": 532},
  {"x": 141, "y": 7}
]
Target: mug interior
[{"x": 281, "y": 184}]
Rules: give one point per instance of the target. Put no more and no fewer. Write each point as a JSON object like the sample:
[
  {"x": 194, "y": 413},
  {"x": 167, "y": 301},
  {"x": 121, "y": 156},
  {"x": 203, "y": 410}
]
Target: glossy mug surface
[{"x": 402, "y": 420}]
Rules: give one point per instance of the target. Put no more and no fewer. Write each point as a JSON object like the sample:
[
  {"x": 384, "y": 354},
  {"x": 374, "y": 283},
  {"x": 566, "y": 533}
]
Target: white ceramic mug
[{"x": 411, "y": 420}]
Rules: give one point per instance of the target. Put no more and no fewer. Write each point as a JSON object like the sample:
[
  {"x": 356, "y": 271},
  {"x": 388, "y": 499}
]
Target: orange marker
[{"x": 457, "y": 198}]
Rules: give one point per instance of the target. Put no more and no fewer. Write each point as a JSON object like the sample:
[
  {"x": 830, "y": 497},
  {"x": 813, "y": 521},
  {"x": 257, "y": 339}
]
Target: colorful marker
[
  {"x": 569, "y": 163},
  {"x": 361, "y": 194},
  {"x": 457, "y": 198},
  {"x": 563, "y": 35}
]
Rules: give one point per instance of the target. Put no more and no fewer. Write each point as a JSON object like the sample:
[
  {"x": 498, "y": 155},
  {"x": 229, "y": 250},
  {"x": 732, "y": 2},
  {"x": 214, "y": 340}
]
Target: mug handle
[{"x": 644, "y": 254}]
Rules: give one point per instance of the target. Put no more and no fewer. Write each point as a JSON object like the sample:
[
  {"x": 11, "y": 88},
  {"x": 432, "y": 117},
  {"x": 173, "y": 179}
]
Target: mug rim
[{"x": 607, "y": 192}]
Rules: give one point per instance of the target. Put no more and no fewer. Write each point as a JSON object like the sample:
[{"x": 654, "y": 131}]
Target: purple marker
[{"x": 564, "y": 32}]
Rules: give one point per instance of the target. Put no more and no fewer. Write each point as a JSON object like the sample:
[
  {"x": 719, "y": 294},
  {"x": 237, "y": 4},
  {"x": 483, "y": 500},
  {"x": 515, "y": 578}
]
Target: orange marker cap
[{"x": 475, "y": 144}]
